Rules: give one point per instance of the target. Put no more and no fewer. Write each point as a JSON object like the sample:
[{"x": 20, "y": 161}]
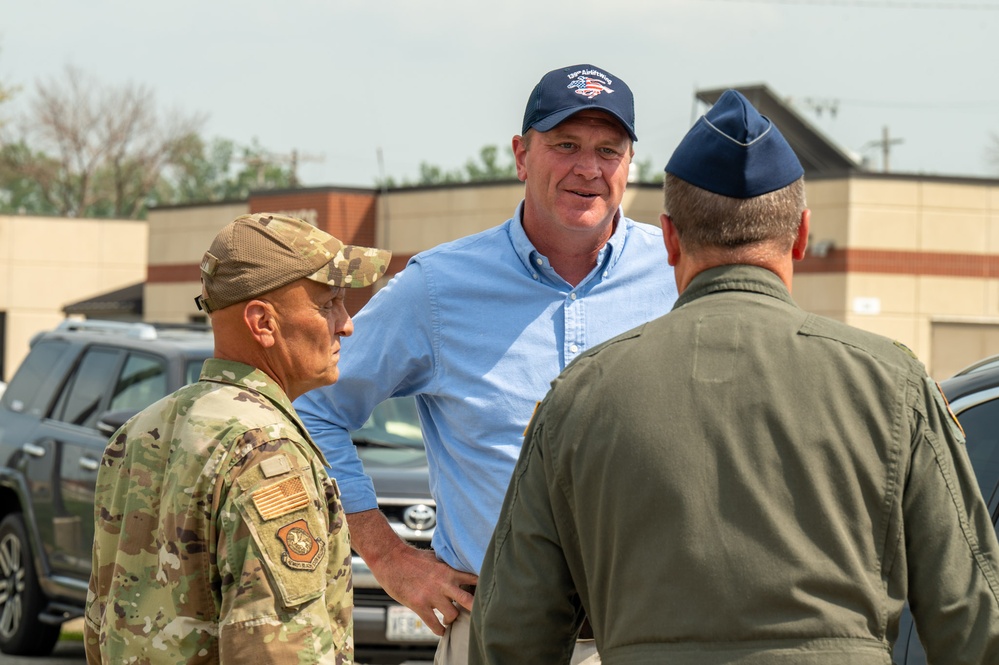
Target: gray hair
[{"x": 708, "y": 221}]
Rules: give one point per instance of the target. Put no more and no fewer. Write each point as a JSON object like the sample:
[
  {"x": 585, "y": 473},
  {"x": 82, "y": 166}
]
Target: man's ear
[
  {"x": 259, "y": 318},
  {"x": 671, "y": 238},
  {"x": 801, "y": 241},
  {"x": 519, "y": 146}
]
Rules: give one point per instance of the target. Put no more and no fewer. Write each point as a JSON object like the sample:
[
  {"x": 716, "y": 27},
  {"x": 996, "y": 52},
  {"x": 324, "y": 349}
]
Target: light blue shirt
[{"x": 477, "y": 329}]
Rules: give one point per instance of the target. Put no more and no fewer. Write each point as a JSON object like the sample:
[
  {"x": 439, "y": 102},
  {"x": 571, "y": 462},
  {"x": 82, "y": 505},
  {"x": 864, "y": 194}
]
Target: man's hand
[{"x": 416, "y": 578}]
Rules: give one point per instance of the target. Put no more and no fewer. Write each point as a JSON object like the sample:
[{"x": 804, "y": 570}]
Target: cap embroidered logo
[{"x": 588, "y": 87}]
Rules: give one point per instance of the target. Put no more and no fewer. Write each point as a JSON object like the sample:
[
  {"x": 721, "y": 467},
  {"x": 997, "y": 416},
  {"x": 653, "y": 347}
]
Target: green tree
[
  {"x": 6, "y": 94},
  {"x": 91, "y": 149},
  {"x": 21, "y": 171},
  {"x": 489, "y": 167},
  {"x": 199, "y": 172},
  {"x": 264, "y": 170},
  {"x": 431, "y": 174},
  {"x": 221, "y": 170},
  {"x": 647, "y": 171}
]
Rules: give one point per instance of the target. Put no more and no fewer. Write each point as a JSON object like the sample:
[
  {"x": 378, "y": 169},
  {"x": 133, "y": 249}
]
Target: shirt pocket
[{"x": 284, "y": 517}]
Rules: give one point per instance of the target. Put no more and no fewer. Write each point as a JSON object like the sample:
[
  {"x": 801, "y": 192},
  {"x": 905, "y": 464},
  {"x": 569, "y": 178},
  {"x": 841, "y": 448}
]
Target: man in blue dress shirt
[{"x": 477, "y": 329}]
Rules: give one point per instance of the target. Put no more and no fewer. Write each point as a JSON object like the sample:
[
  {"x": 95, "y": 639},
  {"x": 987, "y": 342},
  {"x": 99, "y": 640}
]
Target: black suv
[{"x": 77, "y": 385}]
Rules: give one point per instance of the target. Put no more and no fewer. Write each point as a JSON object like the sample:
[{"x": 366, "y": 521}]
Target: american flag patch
[{"x": 280, "y": 499}]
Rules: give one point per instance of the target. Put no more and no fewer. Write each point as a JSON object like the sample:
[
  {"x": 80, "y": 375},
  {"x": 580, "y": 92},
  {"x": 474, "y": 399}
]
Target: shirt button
[
  {"x": 539, "y": 261},
  {"x": 572, "y": 296},
  {"x": 573, "y": 348},
  {"x": 535, "y": 275}
]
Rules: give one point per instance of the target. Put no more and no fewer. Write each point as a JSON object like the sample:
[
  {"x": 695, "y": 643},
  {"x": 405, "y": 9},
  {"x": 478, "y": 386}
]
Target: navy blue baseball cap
[
  {"x": 569, "y": 90},
  {"x": 734, "y": 151}
]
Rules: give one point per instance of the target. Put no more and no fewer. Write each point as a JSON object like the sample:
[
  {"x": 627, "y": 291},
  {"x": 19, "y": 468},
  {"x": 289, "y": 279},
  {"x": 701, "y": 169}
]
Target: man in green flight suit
[
  {"x": 740, "y": 481},
  {"x": 219, "y": 536}
]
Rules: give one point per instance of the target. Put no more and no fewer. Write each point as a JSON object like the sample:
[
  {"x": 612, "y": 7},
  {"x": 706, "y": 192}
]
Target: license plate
[{"x": 405, "y": 625}]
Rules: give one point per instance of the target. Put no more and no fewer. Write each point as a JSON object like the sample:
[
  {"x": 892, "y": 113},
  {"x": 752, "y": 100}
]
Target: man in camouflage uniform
[{"x": 219, "y": 536}]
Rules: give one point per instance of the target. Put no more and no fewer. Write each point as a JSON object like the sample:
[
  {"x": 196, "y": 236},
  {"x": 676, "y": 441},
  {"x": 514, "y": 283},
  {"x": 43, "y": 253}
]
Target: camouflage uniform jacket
[{"x": 219, "y": 536}]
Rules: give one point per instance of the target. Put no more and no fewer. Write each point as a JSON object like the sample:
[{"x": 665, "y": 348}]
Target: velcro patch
[
  {"x": 907, "y": 350},
  {"x": 281, "y": 498},
  {"x": 941, "y": 399},
  {"x": 275, "y": 466},
  {"x": 209, "y": 264}
]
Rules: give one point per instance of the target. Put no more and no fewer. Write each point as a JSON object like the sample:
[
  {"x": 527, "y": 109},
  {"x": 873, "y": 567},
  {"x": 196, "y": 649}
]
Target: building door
[{"x": 954, "y": 346}]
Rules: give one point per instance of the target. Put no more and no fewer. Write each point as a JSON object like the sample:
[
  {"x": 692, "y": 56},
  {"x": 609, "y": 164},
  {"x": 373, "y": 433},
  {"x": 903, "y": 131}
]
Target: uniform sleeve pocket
[
  {"x": 334, "y": 507},
  {"x": 284, "y": 519}
]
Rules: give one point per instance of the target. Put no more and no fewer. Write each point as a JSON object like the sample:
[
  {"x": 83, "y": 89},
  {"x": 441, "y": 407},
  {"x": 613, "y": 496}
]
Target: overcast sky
[{"x": 436, "y": 80}]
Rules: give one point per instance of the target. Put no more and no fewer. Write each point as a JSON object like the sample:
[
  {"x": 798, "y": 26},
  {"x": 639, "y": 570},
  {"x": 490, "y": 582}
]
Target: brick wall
[
  {"x": 893, "y": 262},
  {"x": 348, "y": 215}
]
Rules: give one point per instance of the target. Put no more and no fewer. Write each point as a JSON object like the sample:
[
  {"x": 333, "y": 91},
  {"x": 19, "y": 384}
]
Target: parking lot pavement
[
  {"x": 70, "y": 652},
  {"x": 66, "y": 653}
]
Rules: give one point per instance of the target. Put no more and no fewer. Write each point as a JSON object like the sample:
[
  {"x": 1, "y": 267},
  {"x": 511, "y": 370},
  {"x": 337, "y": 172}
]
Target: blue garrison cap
[
  {"x": 734, "y": 151},
  {"x": 569, "y": 90}
]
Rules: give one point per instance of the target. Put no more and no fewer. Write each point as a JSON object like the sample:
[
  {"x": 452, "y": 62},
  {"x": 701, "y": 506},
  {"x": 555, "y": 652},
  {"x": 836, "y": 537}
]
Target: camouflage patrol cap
[{"x": 255, "y": 254}]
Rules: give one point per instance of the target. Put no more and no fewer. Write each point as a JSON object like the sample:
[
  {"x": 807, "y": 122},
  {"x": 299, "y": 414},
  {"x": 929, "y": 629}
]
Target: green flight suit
[{"x": 741, "y": 481}]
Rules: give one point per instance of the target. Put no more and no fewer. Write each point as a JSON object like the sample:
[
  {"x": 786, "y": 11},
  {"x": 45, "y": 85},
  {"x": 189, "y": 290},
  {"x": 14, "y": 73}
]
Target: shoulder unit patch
[
  {"x": 907, "y": 350},
  {"x": 301, "y": 549}
]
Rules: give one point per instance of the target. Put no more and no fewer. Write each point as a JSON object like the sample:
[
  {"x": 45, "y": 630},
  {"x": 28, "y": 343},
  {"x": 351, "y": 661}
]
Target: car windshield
[
  {"x": 393, "y": 423},
  {"x": 980, "y": 366},
  {"x": 981, "y": 428}
]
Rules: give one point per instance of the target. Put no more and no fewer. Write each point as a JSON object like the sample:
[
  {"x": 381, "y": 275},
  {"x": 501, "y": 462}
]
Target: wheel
[{"x": 21, "y": 599}]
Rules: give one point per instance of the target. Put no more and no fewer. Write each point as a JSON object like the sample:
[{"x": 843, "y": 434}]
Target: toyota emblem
[{"x": 420, "y": 518}]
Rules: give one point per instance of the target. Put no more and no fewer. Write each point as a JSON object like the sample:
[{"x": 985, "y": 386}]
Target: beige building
[
  {"x": 178, "y": 237},
  {"x": 915, "y": 258},
  {"x": 46, "y": 263}
]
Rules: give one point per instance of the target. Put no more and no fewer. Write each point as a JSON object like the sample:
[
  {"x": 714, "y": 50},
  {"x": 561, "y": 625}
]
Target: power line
[
  {"x": 982, "y": 104},
  {"x": 832, "y": 105},
  {"x": 878, "y": 4}
]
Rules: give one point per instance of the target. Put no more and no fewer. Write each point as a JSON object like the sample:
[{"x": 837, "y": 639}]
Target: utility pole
[
  {"x": 885, "y": 144},
  {"x": 292, "y": 159},
  {"x": 295, "y": 158},
  {"x": 383, "y": 204}
]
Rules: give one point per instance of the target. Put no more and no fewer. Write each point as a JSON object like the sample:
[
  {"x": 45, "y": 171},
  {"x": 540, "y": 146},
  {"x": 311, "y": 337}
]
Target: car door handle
[
  {"x": 33, "y": 450},
  {"x": 89, "y": 463}
]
